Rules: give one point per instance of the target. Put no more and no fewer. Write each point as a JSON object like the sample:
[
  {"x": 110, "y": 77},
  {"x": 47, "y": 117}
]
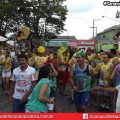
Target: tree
[{"x": 41, "y": 16}]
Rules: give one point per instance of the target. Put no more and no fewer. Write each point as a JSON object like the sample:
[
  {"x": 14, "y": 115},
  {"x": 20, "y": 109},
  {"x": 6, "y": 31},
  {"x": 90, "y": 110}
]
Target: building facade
[{"x": 107, "y": 39}]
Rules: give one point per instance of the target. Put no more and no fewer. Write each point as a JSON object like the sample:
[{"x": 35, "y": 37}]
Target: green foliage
[{"x": 45, "y": 18}]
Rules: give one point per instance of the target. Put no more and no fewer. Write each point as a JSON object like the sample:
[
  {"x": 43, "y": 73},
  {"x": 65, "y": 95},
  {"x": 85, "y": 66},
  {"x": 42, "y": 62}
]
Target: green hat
[{"x": 82, "y": 53}]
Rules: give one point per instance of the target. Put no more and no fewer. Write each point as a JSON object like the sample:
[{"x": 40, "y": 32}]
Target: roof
[
  {"x": 116, "y": 27},
  {"x": 67, "y": 38}
]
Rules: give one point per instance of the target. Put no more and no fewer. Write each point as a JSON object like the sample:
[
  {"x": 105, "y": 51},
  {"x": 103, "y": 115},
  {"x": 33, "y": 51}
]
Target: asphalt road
[{"x": 62, "y": 103}]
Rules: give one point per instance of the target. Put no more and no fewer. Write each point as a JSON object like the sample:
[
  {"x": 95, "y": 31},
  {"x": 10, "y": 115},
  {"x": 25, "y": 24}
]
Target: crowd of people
[{"x": 31, "y": 80}]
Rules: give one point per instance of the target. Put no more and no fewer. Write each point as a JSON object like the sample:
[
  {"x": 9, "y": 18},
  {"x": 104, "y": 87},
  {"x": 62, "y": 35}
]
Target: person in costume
[
  {"x": 62, "y": 63},
  {"x": 40, "y": 59},
  {"x": 105, "y": 71},
  {"x": 6, "y": 71},
  {"x": 31, "y": 58},
  {"x": 90, "y": 55},
  {"x": 2, "y": 60},
  {"x": 93, "y": 56},
  {"x": 71, "y": 63},
  {"x": 80, "y": 78}
]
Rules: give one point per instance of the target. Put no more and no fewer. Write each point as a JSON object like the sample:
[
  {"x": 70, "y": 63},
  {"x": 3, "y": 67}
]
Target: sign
[
  {"x": 57, "y": 44},
  {"x": 73, "y": 44},
  {"x": 88, "y": 43}
]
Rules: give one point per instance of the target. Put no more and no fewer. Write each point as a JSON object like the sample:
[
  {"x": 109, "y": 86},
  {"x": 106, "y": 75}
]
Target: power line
[
  {"x": 84, "y": 19},
  {"x": 111, "y": 18}
]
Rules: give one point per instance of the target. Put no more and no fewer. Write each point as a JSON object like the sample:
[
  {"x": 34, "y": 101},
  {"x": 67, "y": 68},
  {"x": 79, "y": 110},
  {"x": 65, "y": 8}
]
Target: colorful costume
[
  {"x": 62, "y": 60},
  {"x": 39, "y": 61}
]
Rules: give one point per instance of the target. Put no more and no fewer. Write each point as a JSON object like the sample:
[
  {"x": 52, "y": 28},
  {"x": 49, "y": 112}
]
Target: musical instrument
[{"x": 22, "y": 33}]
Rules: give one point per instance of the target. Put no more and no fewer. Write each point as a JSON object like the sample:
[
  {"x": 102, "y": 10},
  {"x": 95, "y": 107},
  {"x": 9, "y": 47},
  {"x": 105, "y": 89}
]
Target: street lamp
[{"x": 118, "y": 14}]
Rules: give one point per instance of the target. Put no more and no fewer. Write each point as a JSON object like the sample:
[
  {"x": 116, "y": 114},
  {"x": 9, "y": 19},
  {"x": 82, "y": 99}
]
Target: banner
[{"x": 59, "y": 116}]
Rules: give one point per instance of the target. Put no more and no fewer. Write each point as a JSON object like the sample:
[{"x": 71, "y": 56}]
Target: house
[{"x": 107, "y": 39}]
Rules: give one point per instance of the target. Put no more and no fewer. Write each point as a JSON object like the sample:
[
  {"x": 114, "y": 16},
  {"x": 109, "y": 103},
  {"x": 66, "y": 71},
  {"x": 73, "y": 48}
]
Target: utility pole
[
  {"x": 96, "y": 30},
  {"x": 94, "y": 26}
]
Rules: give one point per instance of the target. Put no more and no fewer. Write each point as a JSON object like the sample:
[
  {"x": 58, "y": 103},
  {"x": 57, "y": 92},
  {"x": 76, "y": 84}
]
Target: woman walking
[{"x": 41, "y": 92}]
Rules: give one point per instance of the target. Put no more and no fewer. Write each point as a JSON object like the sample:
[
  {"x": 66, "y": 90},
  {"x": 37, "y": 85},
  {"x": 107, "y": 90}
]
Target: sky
[{"x": 81, "y": 14}]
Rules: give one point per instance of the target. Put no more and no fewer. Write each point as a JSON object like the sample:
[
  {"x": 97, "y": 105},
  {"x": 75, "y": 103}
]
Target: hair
[
  {"x": 108, "y": 54},
  {"x": 83, "y": 48},
  {"x": 43, "y": 72},
  {"x": 23, "y": 55},
  {"x": 101, "y": 50},
  {"x": 8, "y": 52},
  {"x": 113, "y": 51},
  {"x": 91, "y": 62},
  {"x": 72, "y": 53}
]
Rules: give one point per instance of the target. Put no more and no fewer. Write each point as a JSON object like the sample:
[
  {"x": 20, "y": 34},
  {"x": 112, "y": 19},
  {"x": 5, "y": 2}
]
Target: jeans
[{"x": 17, "y": 106}]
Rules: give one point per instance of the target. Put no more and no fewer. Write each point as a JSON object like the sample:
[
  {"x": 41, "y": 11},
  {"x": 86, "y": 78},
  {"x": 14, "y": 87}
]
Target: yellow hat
[{"x": 41, "y": 49}]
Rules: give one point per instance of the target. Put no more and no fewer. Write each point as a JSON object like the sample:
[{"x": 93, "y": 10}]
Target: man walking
[
  {"x": 80, "y": 77},
  {"x": 23, "y": 81}
]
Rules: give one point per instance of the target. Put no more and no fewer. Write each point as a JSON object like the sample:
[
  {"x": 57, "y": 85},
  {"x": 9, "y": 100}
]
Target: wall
[{"x": 106, "y": 37}]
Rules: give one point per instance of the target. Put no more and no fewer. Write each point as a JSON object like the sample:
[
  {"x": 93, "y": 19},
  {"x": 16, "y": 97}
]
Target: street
[{"x": 62, "y": 103}]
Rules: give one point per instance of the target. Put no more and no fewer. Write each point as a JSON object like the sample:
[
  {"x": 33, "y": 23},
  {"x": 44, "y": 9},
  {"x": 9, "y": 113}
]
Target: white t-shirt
[
  {"x": 23, "y": 81},
  {"x": 118, "y": 99}
]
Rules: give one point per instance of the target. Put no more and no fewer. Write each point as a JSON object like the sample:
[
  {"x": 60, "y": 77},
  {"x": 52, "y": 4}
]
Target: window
[{"x": 104, "y": 36}]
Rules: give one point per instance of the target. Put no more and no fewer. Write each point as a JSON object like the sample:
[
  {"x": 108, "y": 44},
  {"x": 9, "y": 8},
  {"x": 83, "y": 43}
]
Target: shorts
[
  {"x": 6, "y": 74},
  {"x": 81, "y": 98}
]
